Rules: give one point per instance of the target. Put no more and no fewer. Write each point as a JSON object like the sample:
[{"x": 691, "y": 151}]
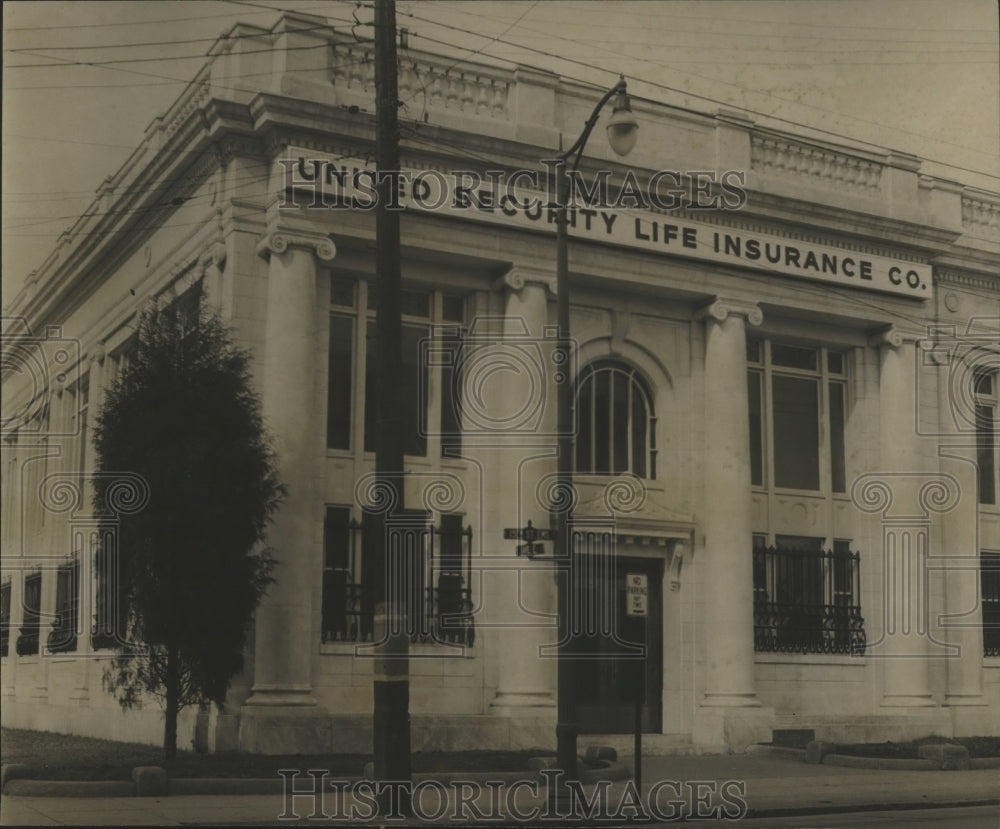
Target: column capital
[
  {"x": 98, "y": 354},
  {"x": 518, "y": 276},
  {"x": 215, "y": 255},
  {"x": 279, "y": 241},
  {"x": 720, "y": 309},
  {"x": 890, "y": 337}
]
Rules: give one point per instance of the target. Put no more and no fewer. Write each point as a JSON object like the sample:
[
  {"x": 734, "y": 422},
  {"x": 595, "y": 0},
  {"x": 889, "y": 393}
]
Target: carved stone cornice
[
  {"x": 518, "y": 276},
  {"x": 720, "y": 309},
  {"x": 279, "y": 241}
]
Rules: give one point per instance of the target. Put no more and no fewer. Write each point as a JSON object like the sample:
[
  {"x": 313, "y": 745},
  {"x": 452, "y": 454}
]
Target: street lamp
[{"x": 622, "y": 133}]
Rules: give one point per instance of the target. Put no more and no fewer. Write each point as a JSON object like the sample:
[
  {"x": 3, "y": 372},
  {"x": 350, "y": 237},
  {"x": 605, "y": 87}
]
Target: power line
[{"x": 75, "y": 26}]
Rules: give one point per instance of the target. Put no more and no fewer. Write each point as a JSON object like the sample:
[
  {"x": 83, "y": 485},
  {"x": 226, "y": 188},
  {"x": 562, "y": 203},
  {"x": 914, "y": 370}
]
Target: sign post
[
  {"x": 637, "y": 607},
  {"x": 531, "y": 536}
]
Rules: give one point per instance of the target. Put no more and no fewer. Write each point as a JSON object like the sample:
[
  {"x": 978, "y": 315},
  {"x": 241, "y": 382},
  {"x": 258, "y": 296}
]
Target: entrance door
[{"x": 609, "y": 664}]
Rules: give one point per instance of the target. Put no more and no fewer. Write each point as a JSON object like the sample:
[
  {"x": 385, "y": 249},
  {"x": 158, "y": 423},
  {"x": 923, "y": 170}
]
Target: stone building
[{"x": 786, "y": 384}]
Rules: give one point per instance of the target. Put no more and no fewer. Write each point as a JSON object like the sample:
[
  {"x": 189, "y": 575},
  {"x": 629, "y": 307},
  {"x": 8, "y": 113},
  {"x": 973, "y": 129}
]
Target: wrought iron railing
[
  {"x": 807, "y": 601},
  {"x": 433, "y": 590}
]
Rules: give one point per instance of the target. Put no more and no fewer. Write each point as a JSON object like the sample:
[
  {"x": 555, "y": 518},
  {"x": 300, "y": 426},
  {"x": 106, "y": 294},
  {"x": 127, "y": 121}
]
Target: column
[
  {"x": 522, "y": 456},
  {"x": 728, "y": 572},
  {"x": 904, "y": 494},
  {"x": 218, "y": 295},
  {"x": 283, "y": 642},
  {"x": 959, "y": 567},
  {"x": 959, "y": 560}
]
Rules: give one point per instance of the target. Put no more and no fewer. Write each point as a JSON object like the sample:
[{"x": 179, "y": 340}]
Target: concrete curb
[
  {"x": 901, "y": 806},
  {"x": 19, "y": 787},
  {"x": 70, "y": 788},
  {"x": 889, "y": 764}
]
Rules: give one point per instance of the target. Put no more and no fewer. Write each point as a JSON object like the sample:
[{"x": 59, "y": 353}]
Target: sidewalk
[{"x": 715, "y": 788}]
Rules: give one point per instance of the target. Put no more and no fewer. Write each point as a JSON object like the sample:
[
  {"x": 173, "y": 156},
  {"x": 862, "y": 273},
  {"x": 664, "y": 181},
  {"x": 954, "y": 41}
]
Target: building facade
[{"x": 785, "y": 374}]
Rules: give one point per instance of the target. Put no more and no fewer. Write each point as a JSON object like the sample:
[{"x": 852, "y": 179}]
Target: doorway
[{"x": 621, "y": 654}]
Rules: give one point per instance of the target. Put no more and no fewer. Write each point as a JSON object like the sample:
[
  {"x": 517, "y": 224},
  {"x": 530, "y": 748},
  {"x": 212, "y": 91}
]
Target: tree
[{"x": 192, "y": 568}]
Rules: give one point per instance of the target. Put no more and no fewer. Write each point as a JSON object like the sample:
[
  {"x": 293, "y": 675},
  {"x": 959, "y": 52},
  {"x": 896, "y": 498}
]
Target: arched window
[{"x": 615, "y": 422}]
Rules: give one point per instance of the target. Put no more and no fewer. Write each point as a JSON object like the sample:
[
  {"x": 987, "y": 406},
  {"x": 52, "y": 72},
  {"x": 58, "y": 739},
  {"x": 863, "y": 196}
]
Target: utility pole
[{"x": 392, "y": 668}]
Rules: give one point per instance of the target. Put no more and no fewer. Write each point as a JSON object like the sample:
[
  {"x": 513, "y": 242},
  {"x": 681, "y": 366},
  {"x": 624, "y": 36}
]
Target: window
[
  {"x": 806, "y": 599},
  {"x": 989, "y": 572},
  {"x": 62, "y": 637},
  {"x": 985, "y": 391},
  {"x": 616, "y": 425},
  {"x": 4, "y": 618},
  {"x": 347, "y": 597},
  {"x": 797, "y": 400},
  {"x": 423, "y": 311},
  {"x": 109, "y": 629},
  {"x": 27, "y": 641},
  {"x": 432, "y": 585}
]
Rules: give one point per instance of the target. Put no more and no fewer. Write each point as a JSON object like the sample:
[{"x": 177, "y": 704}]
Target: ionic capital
[
  {"x": 518, "y": 276},
  {"x": 215, "y": 255},
  {"x": 889, "y": 338},
  {"x": 279, "y": 241},
  {"x": 721, "y": 309}
]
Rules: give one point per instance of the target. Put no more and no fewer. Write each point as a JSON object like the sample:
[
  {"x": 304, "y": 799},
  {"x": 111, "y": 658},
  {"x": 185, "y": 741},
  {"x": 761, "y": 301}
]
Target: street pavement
[{"x": 709, "y": 790}]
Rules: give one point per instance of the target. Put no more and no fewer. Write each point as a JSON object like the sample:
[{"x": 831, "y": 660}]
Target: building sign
[
  {"x": 515, "y": 200},
  {"x": 636, "y": 595}
]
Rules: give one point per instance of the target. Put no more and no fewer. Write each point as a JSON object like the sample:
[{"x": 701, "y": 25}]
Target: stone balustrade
[{"x": 778, "y": 156}]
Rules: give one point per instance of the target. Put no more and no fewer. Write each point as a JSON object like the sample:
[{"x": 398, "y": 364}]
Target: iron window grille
[
  {"x": 434, "y": 585},
  {"x": 989, "y": 572},
  {"x": 807, "y": 601},
  {"x": 27, "y": 640},
  {"x": 62, "y": 637},
  {"x": 5, "y": 619},
  {"x": 109, "y": 628}
]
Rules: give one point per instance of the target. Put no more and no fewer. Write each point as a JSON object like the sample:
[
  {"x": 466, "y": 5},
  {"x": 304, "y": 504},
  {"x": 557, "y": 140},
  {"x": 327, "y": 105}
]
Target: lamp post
[{"x": 622, "y": 133}]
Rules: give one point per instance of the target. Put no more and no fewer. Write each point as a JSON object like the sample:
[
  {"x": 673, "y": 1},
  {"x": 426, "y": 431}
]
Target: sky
[{"x": 82, "y": 80}]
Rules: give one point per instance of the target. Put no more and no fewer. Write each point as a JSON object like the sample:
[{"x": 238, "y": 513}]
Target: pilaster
[
  {"x": 521, "y": 459},
  {"x": 283, "y": 643},
  {"x": 727, "y": 521}
]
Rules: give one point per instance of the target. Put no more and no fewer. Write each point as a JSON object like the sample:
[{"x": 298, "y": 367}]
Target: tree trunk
[{"x": 173, "y": 699}]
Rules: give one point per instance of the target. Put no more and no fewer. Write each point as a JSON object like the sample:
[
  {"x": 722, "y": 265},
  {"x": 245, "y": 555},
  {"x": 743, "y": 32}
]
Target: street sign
[
  {"x": 530, "y": 550},
  {"x": 529, "y": 534},
  {"x": 636, "y": 594}
]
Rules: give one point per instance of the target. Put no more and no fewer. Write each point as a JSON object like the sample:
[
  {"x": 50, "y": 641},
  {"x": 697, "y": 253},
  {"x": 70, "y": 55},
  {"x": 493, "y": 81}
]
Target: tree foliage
[{"x": 183, "y": 415}]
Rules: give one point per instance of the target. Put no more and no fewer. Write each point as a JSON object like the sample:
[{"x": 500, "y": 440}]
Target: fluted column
[
  {"x": 283, "y": 643},
  {"x": 728, "y": 574},
  {"x": 522, "y": 457}
]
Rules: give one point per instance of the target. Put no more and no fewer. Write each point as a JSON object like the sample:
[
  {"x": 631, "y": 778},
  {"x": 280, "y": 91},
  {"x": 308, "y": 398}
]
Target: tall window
[
  {"x": 424, "y": 312},
  {"x": 82, "y": 414},
  {"x": 989, "y": 572},
  {"x": 806, "y": 599},
  {"x": 27, "y": 640},
  {"x": 109, "y": 629},
  {"x": 986, "y": 398},
  {"x": 616, "y": 424},
  {"x": 431, "y": 566},
  {"x": 4, "y": 618},
  {"x": 62, "y": 637},
  {"x": 797, "y": 398}
]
